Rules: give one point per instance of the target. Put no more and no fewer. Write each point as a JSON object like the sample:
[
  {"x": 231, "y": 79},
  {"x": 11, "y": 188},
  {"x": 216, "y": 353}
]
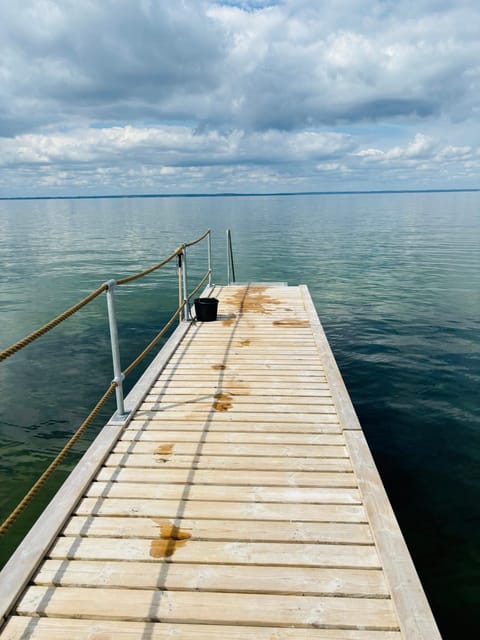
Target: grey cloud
[
  {"x": 108, "y": 60},
  {"x": 264, "y": 66},
  {"x": 249, "y": 91}
]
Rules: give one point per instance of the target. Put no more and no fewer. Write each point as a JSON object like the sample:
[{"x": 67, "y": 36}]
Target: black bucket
[{"x": 206, "y": 309}]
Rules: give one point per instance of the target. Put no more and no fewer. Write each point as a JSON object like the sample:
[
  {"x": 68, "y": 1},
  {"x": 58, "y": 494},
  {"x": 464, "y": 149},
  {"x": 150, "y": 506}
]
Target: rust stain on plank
[
  {"x": 170, "y": 539},
  {"x": 222, "y": 402},
  {"x": 164, "y": 451},
  {"x": 290, "y": 322},
  {"x": 252, "y": 299}
]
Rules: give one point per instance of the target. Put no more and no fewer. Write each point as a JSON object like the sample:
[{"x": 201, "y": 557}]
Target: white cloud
[{"x": 294, "y": 91}]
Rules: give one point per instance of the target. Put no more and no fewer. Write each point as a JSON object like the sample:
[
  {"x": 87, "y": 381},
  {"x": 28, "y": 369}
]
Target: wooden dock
[{"x": 240, "y": 502}]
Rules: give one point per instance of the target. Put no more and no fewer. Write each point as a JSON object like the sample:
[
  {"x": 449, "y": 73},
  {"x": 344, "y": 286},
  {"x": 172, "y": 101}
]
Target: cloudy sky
[{"x": 203, "y": 96}]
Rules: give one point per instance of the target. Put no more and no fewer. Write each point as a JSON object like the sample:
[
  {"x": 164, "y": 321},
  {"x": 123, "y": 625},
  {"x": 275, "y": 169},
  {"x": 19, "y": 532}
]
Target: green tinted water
[{"x": 396, "y": 282}]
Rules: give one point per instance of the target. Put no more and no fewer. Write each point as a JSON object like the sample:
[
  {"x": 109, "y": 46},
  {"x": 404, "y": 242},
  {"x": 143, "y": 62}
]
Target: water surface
[{"x": 396, "y": 282}]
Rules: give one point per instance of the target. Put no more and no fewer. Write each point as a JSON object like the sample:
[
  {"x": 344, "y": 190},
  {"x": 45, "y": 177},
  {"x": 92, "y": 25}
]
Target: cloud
[
  {"x": 174, "y": 158},
  {"x": 85, "y": 61},
  {"x": 294, "y": 90},
  {"x": 167, "y": 146}
]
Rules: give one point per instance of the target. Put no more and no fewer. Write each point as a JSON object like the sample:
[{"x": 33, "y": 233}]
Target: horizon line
[{"x": 238, "y": 194}]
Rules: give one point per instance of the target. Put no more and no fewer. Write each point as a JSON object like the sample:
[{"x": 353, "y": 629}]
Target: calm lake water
[{"x": 396, "y": 282}]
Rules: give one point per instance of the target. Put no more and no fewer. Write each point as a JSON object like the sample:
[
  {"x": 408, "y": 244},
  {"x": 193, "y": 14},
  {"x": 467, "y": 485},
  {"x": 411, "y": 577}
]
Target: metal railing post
[
  {"x": 117, "y": 368},
  {"x": 230, "y": 265},
  {"x": 180, "y": 282},
  {"x": 228, "y": 256},
  {"x": 185, "y": 284},
  {"x": 209, "y": 258}
]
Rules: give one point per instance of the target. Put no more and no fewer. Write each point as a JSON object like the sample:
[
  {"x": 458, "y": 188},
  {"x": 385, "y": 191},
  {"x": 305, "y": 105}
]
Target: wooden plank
[
  {"x": 241, "y": 396},
  {"x": 196, "y": 509},
  {"x": 293, "y": 554},
  {"x": 241, "y": 463},
  {"x": 213, "y": 608},
  {"x": 246, "y": 531},
  {"x": 224, "y": 404},
  {"x": 229, "y": 493},
  {"x": 260, "y": 365},
  {"x": 219, "y": 449},
  {"x": 247, "y": 376},
  {"x": 240, "y": 416},
  {"x": 203, "y": 577},
  {"x": 247, "y": 357},
  {"x": 219, "y": 426},
  {"x": 75, "y": 629},
  {"x": 238, "y": 388},
  {"x": 233, "y": 437},
  {"x": 227, "y": 402},
  {"x": 227, "y": 476}
]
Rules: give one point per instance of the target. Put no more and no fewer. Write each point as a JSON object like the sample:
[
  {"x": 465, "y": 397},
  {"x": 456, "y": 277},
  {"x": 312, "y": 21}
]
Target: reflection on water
[{"x": 395, "y": 279}]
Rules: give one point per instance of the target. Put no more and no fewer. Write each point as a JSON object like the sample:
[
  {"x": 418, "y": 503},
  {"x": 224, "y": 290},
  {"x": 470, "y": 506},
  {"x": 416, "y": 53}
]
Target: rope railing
[
  {"x": 51, "y": 325},
  {"x": 200, "y": 284},
  {"x": 32, "y": 492},
  {"x": 141, "y": 274},
  {"x": 153, "y": 342},
  {"x": 119, "y": 375},
  {"x": 202, "y": 237}
]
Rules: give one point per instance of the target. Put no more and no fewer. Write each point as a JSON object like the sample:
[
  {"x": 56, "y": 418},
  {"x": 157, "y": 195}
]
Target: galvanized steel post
[
  {"x": 117, "y": 368},
  {"x": 230, "y": 265},
  {"x": 180, "y": 282},
  {"x": 185, "y": 284},
  {"x": 209, "y": 258}
]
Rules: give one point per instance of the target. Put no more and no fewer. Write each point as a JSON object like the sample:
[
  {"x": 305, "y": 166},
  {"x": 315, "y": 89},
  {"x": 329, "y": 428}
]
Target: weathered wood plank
[
  {"x": 239, "y": 416},
  {"x": 239, "y": 388},
  {"x": 206, "y": 577},
  {"x": 233, "y": 437},
  {"x": 226, "y": 402},
  {"x": 194, "y": 509},
  {"x": 242, "y": 397},
  {"x": 218, "y": 552},
  {"x": 245, "y": 531},
  {"x": 220, "y": 449},
  {"x": 220, "y": 371},
  {"x": 243, "y": 463},
  {"x": 212, "y": 608},
  {"x": 298, "y": 495},
  {"x": 216, "y": 424},
  {"x": 75, "y": 629},
  {"x": 229, "y": 477}
]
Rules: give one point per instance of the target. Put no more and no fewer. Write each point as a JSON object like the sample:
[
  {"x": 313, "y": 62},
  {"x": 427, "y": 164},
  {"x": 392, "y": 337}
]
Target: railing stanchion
[
  {"x": 180, "y": 283},
  {"x": 117, "y": 368},
  {"x": 209, "y": 258},
  {"x": 228, "y": 257},
  {"x": 185, "y": 284},
  {"x": 230, "y": 265}
]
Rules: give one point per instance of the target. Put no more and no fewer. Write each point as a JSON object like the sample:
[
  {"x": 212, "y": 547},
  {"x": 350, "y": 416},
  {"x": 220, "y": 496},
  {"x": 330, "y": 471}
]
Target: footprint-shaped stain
[
  {"x": 293, "y": 322},
  {"x": 222, "y": 401},
  {"x": 164, "y": 451},
  {"x": 170, "y": 539}
]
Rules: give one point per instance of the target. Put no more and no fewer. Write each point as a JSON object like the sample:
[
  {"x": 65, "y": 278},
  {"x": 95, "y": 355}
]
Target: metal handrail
[
  {"x": 119, "y": 376},
  {"x": 230, "y": 264}
]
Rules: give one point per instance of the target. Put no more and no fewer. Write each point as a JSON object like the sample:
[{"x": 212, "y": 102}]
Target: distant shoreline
[{"x": 238, "y": 195}]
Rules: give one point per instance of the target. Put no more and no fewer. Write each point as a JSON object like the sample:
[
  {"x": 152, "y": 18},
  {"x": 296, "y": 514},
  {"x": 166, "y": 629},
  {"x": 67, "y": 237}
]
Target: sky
[{"x": 201, "y": 96}]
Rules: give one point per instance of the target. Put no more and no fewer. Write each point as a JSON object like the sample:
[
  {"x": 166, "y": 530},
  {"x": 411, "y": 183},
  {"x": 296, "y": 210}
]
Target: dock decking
[{"x": 240, "y": 501}]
